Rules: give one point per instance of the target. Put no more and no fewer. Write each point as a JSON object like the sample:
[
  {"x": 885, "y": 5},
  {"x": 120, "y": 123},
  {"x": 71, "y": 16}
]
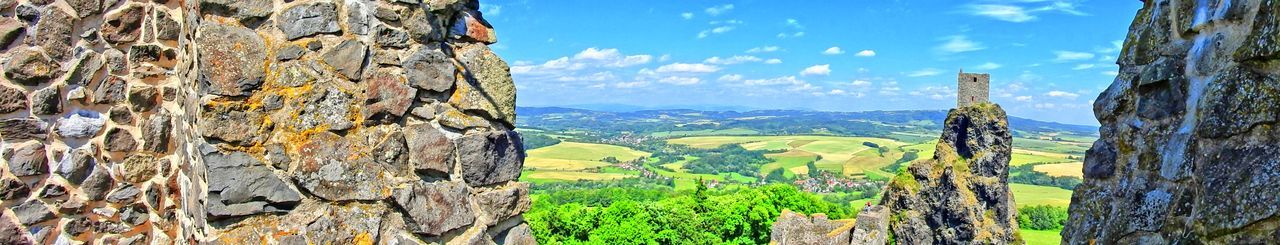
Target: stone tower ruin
[
  {"x": 256, "y": 122},
  {"x": 973, "y": 88}
]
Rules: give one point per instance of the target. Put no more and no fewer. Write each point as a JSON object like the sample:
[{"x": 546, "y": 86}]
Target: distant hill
[{"x": 768, "y": 121}]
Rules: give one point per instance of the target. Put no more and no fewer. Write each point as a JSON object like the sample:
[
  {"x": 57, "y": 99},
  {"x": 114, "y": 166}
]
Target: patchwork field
[
  {"x": 1072, "y": 169},
  {"x": 578, "y": 156},
  {"x": 847, "y": 155},
  {"x": 1033, "y": 195}
]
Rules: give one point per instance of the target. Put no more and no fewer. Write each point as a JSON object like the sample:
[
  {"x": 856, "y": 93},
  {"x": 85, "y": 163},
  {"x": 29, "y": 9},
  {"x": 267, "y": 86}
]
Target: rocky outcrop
[
  {"x": 961, "y": 195},
  {"x": 258, "y": 122},
  {"x": 1187, "y": 153},
  {"x": 871, "y": 227}
]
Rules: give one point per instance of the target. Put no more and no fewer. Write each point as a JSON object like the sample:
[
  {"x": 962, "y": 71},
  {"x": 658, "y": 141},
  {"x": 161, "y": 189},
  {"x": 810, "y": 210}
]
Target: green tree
[{"x": 1043, "y": 217}]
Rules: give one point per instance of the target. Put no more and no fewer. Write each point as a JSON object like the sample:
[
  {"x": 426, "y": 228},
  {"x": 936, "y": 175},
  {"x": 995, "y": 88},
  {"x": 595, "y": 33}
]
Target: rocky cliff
[
  {"x": 961, "y": 195},
  {"x": 1188, "y": 151},
  {"x": 256, "y": 121}
]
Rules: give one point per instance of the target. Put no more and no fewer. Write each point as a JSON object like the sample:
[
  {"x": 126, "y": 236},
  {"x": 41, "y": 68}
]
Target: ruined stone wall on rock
[
  {"x": 256, "y": 121},
  {"x": 1188, "y": 151}
]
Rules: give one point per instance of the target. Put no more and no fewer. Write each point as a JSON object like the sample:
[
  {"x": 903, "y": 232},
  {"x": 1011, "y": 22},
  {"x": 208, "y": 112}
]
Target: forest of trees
[
  {"x": 661, "y": 216},
  {"x": 730, "y": 158},
  {"x": 1043, "y": 217},
  {"x": 1026, "y": 174}
]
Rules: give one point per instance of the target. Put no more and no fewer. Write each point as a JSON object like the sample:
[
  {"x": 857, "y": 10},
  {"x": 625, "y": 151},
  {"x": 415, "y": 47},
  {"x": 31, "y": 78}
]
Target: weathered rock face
[
  {"x": 871, "y": 227},
  {"x": 1188, "y": 151},
  {"x": 256, "y": 121},
  {"x": 961, "y": 195}
]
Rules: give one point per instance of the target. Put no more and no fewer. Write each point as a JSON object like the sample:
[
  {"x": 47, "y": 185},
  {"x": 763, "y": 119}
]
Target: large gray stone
[
  {"x": 98, "y": 184},
  {"x": 423, "y": 25},
  {"x": 306, "y": 19},
  {"x": 13, "y": 188},
  {"x": 88, "y": 65},
  {"x": 243, "y": 185},
  {"x": 504, "y": 203},
  {"x": 231, "y": 59},
  {"x": 86, "y": 8},
  {"x": 77, "y": 164},
  {"x": 10, "y": 30},
  {"x": 27, "y": 159},
  {"x": 328, "y": 107},
  {"x": 125, "y": 25},
  {"x": 347, "y": 58},
  {"x": 430, "y": 69},
  {"x": 156, "y": 133},
  {"x": 232, "y": 123},
  {"x": 436, "y": 208},
  {"x": 23, "y": 128},
  {"x": 247, "y": 11},
  {"x": 429, "y": 150},
  {"x": 30, "y": 67},
  {"x": 119, "y": 140},
  {"x": 388, "y": 95},
  {"x": 111, "y": 91},
  {"x": 124, "y": 194},
  {"x": 491, "y": 157},
  {"x": 391, "y": 37},
  {"x": 47, "y": 101},
  {"x": 143, "y": 98},
  {"x": 32, "y": 212},
  {"x": 358, "y": 17},
  {"x": 490, "y": 91},
  {"x": 54, "y": 33},
  {"x": 336, "y": 169},
  {"x": 12, "y": 99},
  {"x": 81, "y": 124}
]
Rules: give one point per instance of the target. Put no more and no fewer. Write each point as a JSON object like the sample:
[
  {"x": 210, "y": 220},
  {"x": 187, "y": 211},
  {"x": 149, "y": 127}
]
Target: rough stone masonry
[{"x": 256, "y": 121}]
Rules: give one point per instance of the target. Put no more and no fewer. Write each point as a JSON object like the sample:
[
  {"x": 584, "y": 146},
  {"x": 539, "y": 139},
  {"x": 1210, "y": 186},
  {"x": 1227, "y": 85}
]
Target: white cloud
[
  {"x": 635, "y": 84},
  {"x": 935, "y": 92},
  {"x": 791, "y": 35},
  {"x": 687, "y": 68},
  {"x": 1068, "y": 56},
  {"x": 822, "y": 70},
  {"x": 1045, "y": 106},
  {"x": 594, "y": 77},
  {"x": 988, "y": 66},
  {"x": 680, "y": 80},
  {"x": 765, "y": 49},
  {"x": 959, "y": 44},
  {"x": 794, "y": 84},
  {"x": 861, "y": 83},
  {"x": 1083, "y": 67},
  {"x": 717, "y": 10},
  {"x": 836, "y": 92},
  {"x": 1023, "y": 98},
  {"x": 551, "y": 66},
  {"x": 730, "y": 78},
  {"x": 1111, "y": 73},
  {"x": 737, "y": 59},
  {"x": 773, "y": 61},
  {"x": 1062, "y": 94},
  {"x": 794, "y": 23},
  {"x": 924, "y": 72},
  {"x": 686, "y": 15},
  {"x": 611, "y": 57},
  {"x": 1008, "y": 13},
  {"x": 717, "y": 30},
  {"x": 833, "y": 51},
  {"x": 1021, "y": 13},
  {"x": 1115, "y": 48},
  {"x": 866, "y": 53}
]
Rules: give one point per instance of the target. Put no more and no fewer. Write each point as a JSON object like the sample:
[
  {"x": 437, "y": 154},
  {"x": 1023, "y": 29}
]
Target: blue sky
[{"x": 1048, "y": 58}]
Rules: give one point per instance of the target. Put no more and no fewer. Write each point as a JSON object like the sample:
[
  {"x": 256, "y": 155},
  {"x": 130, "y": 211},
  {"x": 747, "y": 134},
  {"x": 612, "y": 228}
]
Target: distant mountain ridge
[{"x": 533, "y": 116}]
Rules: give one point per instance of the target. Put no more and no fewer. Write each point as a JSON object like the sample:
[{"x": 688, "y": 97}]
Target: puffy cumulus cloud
[
  {"x": 551, "y": 66},
  {"x": 926, "y": 72},
  {"x": 730, "y": 78},
  {"x": 861, "y": 83},
  {"x": 765, "y": 49},
  {"x": 833, "y": 51},
  {"x": 1069, "y": 56},
  {"x": 1062, "y": 94},
  {"x": 817, "y": 70},
  {"x": 958, "y": 44},
  {"x": 718, "y": 10},
  {"x": 866, "y": 53},
  {"x": 612, "y": 57},
  {"x": 773, "y": 61},
  {"x": 677, "y": 80},
  {"x": 773, "y": 81},
  {"x": 737, "y": 59},
  {"x": 687, "y": 68}
]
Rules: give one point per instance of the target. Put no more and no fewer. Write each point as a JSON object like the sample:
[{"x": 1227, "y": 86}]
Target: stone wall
[
  {"x": 256, "y": 121},
  {"x": 1187, "y": 153},
  {"x": 972, "y": 89},
  {"x": 871, "y": 227}
]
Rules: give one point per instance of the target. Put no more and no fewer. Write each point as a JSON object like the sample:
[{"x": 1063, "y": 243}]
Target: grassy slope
[
  {"x": 1035, "y": 237},
  {"x": 578, "y": 156},
  {"x": 1074, "y": 169},
  {"x": 1030, "y": 195}
]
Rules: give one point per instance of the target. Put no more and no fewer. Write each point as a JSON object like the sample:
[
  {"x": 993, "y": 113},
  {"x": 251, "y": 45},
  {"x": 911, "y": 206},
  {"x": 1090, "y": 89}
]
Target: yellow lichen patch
[{"x": 363, "y": 239}]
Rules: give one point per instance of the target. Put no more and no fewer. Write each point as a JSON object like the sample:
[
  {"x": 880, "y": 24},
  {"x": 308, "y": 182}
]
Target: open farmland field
[
  {"x": 1073, "y": 169},
  {"x": 847, "y": 155},
  {"x": 1033, "y": 195},
  {"x": 578, "y": 156}
]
